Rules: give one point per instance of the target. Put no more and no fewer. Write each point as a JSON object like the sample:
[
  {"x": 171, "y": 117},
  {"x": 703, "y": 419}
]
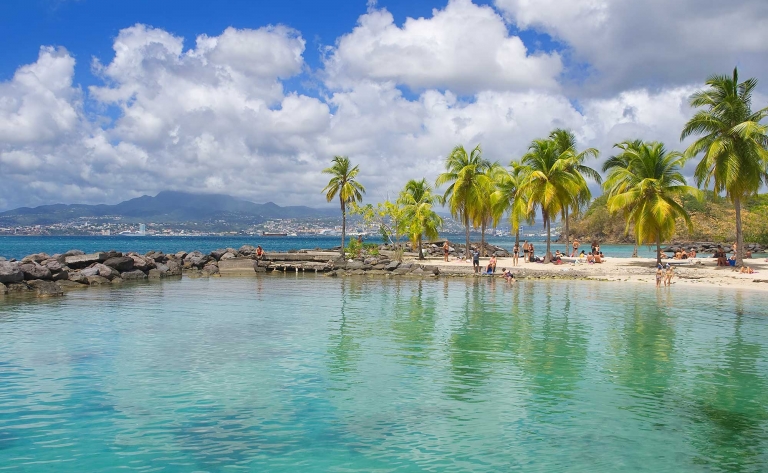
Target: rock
[
  {"x": 211, "y": 269},
  {"x": 354, "y": 265},
  {"x": 117, "y": 280},
  {"x": 97, "y": 280},
  {"x": 36, "y": 258},
  {"x": 174, "y": 268},
  {"x": 157, "y": 256},
  {"x": 371, "y": 260},
  {"x": 228, "y": 255},
  {"x": 88, "y": 272},
  {"x": 155, "y": 273},
  {"x": 62, "y": 275},
  {"x": 10, "y": 272},
  {"x": 106, "y": 272},
  {"x": 18, "y": 287},
  {"x": 133, "y": 275},
  {"x": 141, "y": 263},
  {"x": 120, "y": 263},
  {"x": 161, "y": 267},
  {"x": 260, "y": 269},
  {"x": 45, "y": 288},
  {"x": 66, "y": 285},
  {"x": 78, "y": 277},
  {"x": 392, "y": 266},
  {"x": 3, "y": 289},
  {"x": 73, "y": 253},
  {"x": 81, "y": 261},
  {"x": 181, "y": 254},
  {"x": 197, "y": 259},
  {"x": 247, "y": 250},
  {"x": 34, "y": 271},
  {"x": 217, "y": 254},
  {"x": 52, "y": 264}
]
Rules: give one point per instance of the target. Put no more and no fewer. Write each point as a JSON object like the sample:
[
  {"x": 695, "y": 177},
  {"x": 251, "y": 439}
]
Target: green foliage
[
  {"x": 388, "y": 216},
  {"x": 419, "y": 220}
]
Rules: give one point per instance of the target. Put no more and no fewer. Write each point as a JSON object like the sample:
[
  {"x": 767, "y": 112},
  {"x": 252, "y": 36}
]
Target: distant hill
[{"x": 166, "y": 207}]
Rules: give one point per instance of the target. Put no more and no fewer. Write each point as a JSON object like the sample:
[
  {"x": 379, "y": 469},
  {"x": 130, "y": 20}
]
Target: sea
[
  {"x": 20, "y": 246},
  {"x": 305, "y": 373}
]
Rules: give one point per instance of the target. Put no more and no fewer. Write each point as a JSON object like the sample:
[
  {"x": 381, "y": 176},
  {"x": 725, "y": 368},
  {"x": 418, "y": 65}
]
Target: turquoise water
[
  {"x": 303, "y": 373},
  {"x": 21, "y": 246}
]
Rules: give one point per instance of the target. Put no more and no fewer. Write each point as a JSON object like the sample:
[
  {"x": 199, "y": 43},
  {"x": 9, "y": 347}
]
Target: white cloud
[
  {"x": 652, "y": 43},
  {"x": 464, "y": 47}
]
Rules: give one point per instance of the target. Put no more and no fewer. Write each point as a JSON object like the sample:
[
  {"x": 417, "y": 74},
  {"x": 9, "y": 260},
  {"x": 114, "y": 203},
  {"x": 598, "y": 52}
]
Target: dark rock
[
  {"x": 120, "y": 263},
  {"x": 217, "y": 254},
  {"x": 353, "y": 265},
  {"x": 392, "y": 266},
  {"x": 97, "y": 280},
  {"x": 228, "y": 255},
  {"x": 61, "y": 275},
  {"x": 133, "y": 275},
  {"x": 247, "y": 250},
  {"x": 260, "y": 269},
  {"x": 197, "y": 259},
  {"x": 34, "y": 271},
  {"x": 52, "y": 264},
  {"x": 45, "y": 288},
  {"x": 10, "y": 272},
  {"x": 181, "y": 254}
]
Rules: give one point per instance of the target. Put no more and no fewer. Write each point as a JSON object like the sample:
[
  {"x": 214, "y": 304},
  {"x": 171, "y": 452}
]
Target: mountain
[{"x": 166, "y": 207}]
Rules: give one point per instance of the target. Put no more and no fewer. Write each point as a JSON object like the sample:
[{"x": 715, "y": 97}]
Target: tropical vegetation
[{"x": 343, "y": 183}]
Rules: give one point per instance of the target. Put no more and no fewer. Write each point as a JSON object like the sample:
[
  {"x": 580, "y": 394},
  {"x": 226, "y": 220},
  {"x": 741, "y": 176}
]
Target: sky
[{"x": 103, "y": 101}]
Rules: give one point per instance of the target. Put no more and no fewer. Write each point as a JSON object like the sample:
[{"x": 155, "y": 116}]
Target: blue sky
[{"x": 257, "y": 111}]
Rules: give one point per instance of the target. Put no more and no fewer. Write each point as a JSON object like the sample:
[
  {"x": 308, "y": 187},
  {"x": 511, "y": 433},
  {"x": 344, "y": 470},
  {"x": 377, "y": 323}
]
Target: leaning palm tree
[
  {"x": 645, "y": 182},
  {"x": 419, "y": 220},
  {"x": 344, "y": 184},
  {"x": 733, "y": 145},
  {"x": 468, "y": 183},
  {"x": 565, "y": 142},
  {"x": 507, "y": 198},
  {"x": 549, "y": 184},
  {"x": 483, "y": 214}
]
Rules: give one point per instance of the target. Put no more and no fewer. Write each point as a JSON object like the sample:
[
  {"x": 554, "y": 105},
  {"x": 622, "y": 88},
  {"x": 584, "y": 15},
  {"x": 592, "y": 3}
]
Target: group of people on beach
[{"x": 664, "y": 274}]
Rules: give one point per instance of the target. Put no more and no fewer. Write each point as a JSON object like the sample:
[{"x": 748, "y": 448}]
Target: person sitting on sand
[
  {"x": 678, "y": 255},
  {"x": 590, "y": 258},
  {"x": 558, "y": 257},
  {"x": 746, "y": 269},
  {"x": 597, "y": 258},
  {"x": 508, "y": 276},
  {"x": 446, "y": 250},
  {"x": 692, "y": 253},
  {"x": 720, "y": 255},
  {"x": 582, "y": 254},
  {"x": 748, "y": 254},
  {"x": 732, "y": 260}
]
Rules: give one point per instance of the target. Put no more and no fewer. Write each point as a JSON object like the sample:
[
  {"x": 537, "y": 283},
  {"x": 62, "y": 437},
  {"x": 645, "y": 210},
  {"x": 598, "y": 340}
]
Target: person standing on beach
[
  {"x": 530, "y": 253},
  {"x": 669, "y": 274},
  {"x": 575, "y": 247},
  {"x": 515, "y": 253},
  {"x": 446, "y": 249},
  {"x": 476, "y": 260},
  {"x": 659, "y": 275},
  {"x": 525, "y": 251}
]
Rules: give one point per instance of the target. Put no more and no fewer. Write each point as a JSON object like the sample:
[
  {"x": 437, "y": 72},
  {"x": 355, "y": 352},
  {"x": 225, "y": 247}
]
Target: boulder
[
  {"x": 73, "y": 253},
  {"x": 18, "y": 287},
  {"x": 66, "y": 285},
  {"x": 174, "y": 268},
  {"x": 10, "y": 272},
  {"x": 88, "y": 272},
  {"x": 210, "y": 269},
  {"x": 228, "y": 255},
  {"x": 157, "y": 256},
  {"x": 117, "y": 280},
  {"x": 97, "y": 280},
  {"x": 163, "y": 268},
  {"x": 181, "y": 254},
  {"x": 3, "y": 289},
  {"x": 81, "y": 261},
  {"x": 61, "y": 275},
  {"x": 217, "y": 254},
  {"x": 106, "y": 272},
  {"x": 197, "y": 259},
  {"x": 78, "y": 277},
  {"x": 155, "y": 273},
  {"x": 142, "y": 263},
  {"x": 36, "y": 258},
  {"x": 247, "y": 250},
  {"x": 45, "y": 288},
  {"x": 355, "y": 265},
  {"x": 34, "y": 271},
  {"x": 392, "y": 266},
  {"x": 120, "y": 263},
  {"x": 52, "y": 264},
  {"x": 133, "y": 275}
]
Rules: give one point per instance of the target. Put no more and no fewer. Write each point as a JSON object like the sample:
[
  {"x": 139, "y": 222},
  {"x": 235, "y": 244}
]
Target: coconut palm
[
  {"x": 483, "y": 214},
  {"x": 419, "y": 219},
  {"x": 468, "y": 184},
  {"x": 645, "y": 182},
  {"x": 507, "y": 198},
  {"x": 733, "y": 145},
  {"x": 548, "y": 184},
  {"x": 344, "y": 184},
  {"x": 565, "y": 142}
]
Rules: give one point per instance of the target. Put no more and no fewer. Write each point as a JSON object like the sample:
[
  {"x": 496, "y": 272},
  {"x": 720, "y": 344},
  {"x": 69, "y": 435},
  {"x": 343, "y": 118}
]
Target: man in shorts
[{"x": 476, "y": 260}]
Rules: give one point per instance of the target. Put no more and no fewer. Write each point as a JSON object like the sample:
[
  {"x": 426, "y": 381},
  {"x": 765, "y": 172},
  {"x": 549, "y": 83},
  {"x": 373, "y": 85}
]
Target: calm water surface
[{"x": 353, "y": 375}]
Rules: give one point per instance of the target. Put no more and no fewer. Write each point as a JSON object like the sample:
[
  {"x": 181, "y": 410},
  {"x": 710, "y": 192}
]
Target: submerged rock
[{"x": 45, "y": 288}]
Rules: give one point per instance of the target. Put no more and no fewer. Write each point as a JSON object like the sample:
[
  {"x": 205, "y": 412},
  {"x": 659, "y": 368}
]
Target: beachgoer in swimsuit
[
  {"x": 659, "y": 276},
  {"x": 530, "y": 252},
  {"x": 746, "y": 269},
  {"x": 668, "y": 274},
  {"x": 515, "y": 254},
  {"x": 525, "y": 251},
  {"x": 575, "y": 247},
  {"x": 446, "y": 249},
  {"x": 259, "y": 253},
  {"x": 476, "y": 260},
  {"x": 508, "y": 276},
  {"x": 491, "y": 268}
]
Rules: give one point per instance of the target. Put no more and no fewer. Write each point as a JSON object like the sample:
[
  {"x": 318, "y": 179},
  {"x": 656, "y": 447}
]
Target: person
[
  {"x": 508, "y": 276},
  {"x": 597, "y": 249},
  {"x": 575, "y": 247},
  {"x": 491, "y": 268},
  {"x": 582, "y": 254},
  {"x": 720, "y": 255},
  {"x": 446, "y": 250},
  {"x": 748, "y": 254},
  {"x": 525, "y": 251},
  {"x": 590, "y": 258},
  {"x": 598, "y": 258},
  {"x": 732, "y": 261},
  {"x": 531, "y": 256},
  {"x": 601, "y": 255},
  {"x": 692, "y": 253},
  {"x": 678, "y": 254},
  {"x": 594, "y": 248},
  {"x": 659, "y": 275},
  {"x": 515, "y": 253},
  {"x": 669, "y": 274},
  {"x": 746, "y": 269},
  {"x": 476, "y": 260},
  {"x": 259, "y": 253},
  {"x": 558, "y": 257}
]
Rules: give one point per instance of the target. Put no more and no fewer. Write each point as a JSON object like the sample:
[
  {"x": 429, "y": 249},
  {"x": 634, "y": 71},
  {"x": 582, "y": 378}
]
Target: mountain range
[{"x": 165, "y": 207}]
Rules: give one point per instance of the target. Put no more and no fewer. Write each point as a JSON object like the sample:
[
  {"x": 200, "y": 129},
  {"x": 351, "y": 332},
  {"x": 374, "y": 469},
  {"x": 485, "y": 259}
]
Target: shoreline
[{"x": 52, "y": 275}]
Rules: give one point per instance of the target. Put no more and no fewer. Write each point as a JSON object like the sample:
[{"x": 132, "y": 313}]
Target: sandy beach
[{"x": 692, "y": 272}]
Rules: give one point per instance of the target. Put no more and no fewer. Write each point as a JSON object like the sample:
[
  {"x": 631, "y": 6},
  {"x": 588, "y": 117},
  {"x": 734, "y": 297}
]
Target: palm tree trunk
[
  {"x": 739, "y": 233},
  {"x": 343, "y": 225},
  {"x": 517, "y": 237},
  {"x": 548, "y": 256},
  {"x": 421, "y": 255},
  {"x": 658, "y": 248},
  {"x": 567, "y": 236},
  {"x": 466, "y": 228},
  {"x": 634, "y": 251},
  {"x": 482, "y": 239}
]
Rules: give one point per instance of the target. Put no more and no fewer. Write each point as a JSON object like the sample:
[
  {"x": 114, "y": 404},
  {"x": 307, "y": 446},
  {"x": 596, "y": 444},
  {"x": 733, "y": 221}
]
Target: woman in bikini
[
  {"x": 659, "y": 276},
  {"x": 515, "y": 254},
  {"x": 575, "y": 247},
  {"x": 446, "y": 250}
]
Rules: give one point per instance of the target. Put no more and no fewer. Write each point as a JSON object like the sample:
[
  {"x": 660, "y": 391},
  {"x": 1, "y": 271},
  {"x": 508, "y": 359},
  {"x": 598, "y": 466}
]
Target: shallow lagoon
[{"x": 304, "y": 373}]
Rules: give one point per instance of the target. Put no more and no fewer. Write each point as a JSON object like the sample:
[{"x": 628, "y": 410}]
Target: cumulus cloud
[
  {"x": 651, "y": 43},
  {"x": 464, "y": 47}
]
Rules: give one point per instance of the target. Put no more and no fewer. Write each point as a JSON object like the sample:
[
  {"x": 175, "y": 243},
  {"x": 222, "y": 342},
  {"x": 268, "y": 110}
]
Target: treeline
[{"x": 643, "y": 186}]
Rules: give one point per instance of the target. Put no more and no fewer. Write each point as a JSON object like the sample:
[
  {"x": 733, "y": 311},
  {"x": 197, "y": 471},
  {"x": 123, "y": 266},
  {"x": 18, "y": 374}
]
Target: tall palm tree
[
  {"x": 419, "y": 219},
  {"x": 466, "y": 174},
  {"x": 344, "y": 184},
  {"x": 549, "y": 183},
  {"x": 483, "y": 214},
  {"x": 733, "y": 145},
  {"x": 507, "y": 198},
  {"x": 565, "y": 142},
  {"x": 645, "y": 182}
]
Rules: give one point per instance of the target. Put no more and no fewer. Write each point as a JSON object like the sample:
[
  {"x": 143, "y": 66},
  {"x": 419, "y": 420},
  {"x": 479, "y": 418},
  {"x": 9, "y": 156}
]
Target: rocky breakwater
[
  {"x": 455, "y": 249},
  {"x": 50, "y": 275},
  {"x": 709, "y": 247}
]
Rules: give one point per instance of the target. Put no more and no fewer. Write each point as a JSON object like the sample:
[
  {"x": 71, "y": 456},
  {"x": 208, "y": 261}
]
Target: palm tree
[
  {"x": 565, "y": 142},
  {"x": 507, "y": 198},
  {"x": 344, "y": 185},
  {"x": 549, "y": 183},
  {"x": 733, "y": 142},
  {"x": 419, "y": 219},
  {"x": 646, "y": 183},
  {"x": 466, "y": 173},
  {"x": 483, "y": 214}
]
